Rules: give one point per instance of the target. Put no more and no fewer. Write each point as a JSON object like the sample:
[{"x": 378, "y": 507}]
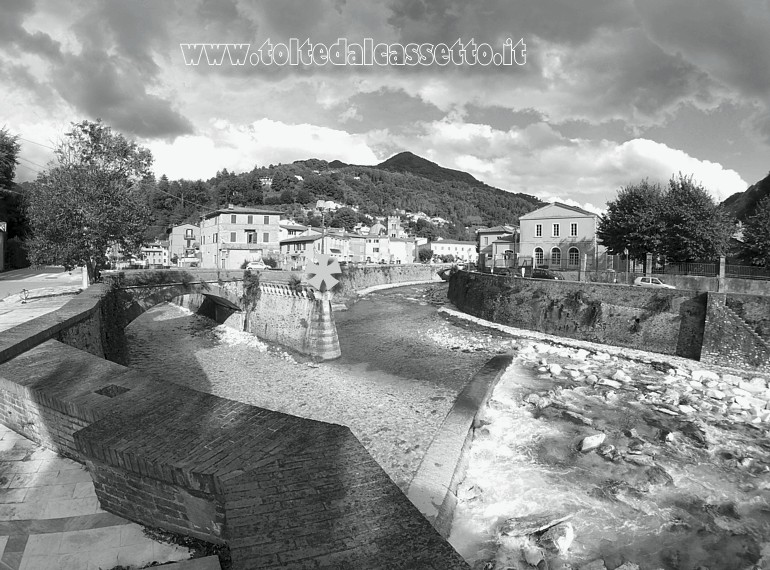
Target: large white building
[{"x": 230, "y": 236}]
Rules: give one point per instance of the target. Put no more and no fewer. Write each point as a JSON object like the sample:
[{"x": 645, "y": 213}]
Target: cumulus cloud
[
  {"x": 537, "y": 160},
  {"x": 240, "y": 148}
]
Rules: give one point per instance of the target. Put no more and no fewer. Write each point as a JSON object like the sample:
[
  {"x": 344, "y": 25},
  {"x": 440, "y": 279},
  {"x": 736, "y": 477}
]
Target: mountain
[
  {"x": 413, "y": 164},
  {"x": 742, "y": 205}
]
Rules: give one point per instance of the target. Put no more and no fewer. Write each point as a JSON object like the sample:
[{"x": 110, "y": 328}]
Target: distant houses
[{"x": 556, "y": 235}]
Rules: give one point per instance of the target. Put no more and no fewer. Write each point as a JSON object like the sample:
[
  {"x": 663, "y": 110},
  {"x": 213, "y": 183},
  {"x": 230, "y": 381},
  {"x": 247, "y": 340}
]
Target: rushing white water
[{"x": 673, "y": 506}]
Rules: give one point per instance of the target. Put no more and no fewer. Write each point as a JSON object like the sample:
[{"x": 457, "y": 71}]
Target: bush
[{"x": 271, "y": 262}]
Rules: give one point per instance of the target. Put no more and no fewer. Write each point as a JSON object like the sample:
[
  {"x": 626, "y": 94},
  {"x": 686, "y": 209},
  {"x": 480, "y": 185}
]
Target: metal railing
[{"x": 747, "y": 272}]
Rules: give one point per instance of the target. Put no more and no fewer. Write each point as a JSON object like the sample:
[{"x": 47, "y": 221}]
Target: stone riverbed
[{"x": 402, "y": 367}]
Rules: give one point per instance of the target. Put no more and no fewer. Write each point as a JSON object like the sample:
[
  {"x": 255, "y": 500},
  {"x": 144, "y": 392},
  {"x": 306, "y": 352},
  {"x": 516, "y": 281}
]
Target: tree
[
  {"x": 633, "y": 221},
  {"x": 87, "y": 202},
  {"x": 695, "y": 227},
  {"x": 9, "y": 152},
  {"x": 344, "y": 217},
  {"x": 425, "y": 255},
  {"x": 756, "y": 234}
]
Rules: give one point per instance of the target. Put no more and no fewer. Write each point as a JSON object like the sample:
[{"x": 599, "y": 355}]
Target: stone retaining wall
[
  {"x": 658, "y": 320},
  {"x": 729, "y": 338}
]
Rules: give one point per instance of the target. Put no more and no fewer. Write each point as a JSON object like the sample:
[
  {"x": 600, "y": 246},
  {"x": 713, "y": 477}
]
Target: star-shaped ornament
[{"x": 321, "y": 272}]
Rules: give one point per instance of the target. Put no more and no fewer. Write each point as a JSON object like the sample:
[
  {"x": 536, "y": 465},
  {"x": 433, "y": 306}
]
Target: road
[{"x": 12, "y": 282}]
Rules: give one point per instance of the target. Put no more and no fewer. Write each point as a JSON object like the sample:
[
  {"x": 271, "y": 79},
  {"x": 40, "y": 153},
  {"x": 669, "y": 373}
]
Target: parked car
[
  {"x": 257, "y": 266},
  {"x": 540, "y": 273},
  {"x": 651, "y": 282}
]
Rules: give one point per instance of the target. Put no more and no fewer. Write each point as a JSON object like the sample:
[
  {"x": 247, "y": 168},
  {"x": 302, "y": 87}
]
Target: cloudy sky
[{"x": 612, "y": 91}]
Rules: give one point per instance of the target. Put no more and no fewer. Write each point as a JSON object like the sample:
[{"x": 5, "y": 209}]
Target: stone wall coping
[{"x": 26, "y": 336}]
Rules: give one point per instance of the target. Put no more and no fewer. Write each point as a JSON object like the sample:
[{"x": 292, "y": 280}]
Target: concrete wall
[
  {"x": 355, "y": 278},
  {"x": 666, "y": 321}
]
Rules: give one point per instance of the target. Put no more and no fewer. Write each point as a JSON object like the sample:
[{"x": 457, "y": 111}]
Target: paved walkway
[
  {"x": 50, "y": 516},
  {"x": 13, "y": 311}
]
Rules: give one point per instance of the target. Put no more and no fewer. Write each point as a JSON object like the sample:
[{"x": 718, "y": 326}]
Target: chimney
[{"x": 230, "y": 206}]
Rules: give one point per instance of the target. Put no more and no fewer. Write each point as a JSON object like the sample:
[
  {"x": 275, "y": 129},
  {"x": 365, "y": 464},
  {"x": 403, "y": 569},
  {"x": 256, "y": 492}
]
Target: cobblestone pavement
[
  {"x": 50, "y": 516},
  {"x": 402, "y": 368}
]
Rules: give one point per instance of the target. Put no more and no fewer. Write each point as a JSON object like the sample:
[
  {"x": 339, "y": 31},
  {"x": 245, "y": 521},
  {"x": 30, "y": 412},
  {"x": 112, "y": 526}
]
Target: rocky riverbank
[{"x": 631, "y": 464}]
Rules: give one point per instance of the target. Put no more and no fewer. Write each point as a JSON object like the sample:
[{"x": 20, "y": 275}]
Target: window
[
  {"x": 216, "y": 237},
  {"x": 538, "y": 256},
  {"x": 266, "y": 237},
  {"x": 539, "y": 230},
  {"x": 574, "y": 255},
  {"x": 556, "y": 256},
  {"x": 250, "y": 219},
  {"x": 188, "y": 233},
  {"x": 376, "y": 249},
  {"x": 556, "y": 230},
  {"x": 486, "y": 240},
  {"x": 233, "y": 218},
  {"x": 251, "y": 236},
  {"x": 573, "y": 229},
  {"x": 232, "y": 237},
  {"x": 267, "y": 219}
]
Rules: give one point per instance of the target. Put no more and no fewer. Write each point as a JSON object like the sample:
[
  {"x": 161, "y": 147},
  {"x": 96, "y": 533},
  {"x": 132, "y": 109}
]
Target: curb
[{"x": 433, "y": 488}]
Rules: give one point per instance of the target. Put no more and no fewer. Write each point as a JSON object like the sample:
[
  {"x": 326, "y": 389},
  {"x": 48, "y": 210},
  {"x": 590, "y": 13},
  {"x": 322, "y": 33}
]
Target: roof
[
  {"x": 454, "y": 242},
  {"x": 240, "y": 210},
  {"x": 293, "y": 226},
  {"x": 533, "y": 213},
  {"x": 301, "y": 239},
  {"x": 497, "y": 230},
  {"x": 505, "y": 239}
]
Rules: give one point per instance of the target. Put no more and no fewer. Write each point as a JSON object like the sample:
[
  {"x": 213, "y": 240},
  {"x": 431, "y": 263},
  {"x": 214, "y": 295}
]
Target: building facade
[
  {"x": 559, "y": 236},
  {"x": 184, "y": 245},
  {"x": 155, "y": 255},
  {"x": 233, "y": 235},
  {"x": 461, "y": 250},
  {"x": 486, "y": 237}
]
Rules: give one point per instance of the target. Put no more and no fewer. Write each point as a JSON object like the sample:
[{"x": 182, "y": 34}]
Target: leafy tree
[
  {"x": 425, "y": 255},
  {"x": 345, "y": 218},
  {"x": 283, "y": 180},
  {"x": 756, "y": 234},
  {"x": 633, "y": 221},
  {"x": 87, "y": 201},
  {"x": 9, "y": 152},
  {"x": 695, "y": 227}
]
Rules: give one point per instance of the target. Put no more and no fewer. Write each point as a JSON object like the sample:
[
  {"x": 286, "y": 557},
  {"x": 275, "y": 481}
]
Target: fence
[
  {"x": 697, "y": 268},
  {"x": 747, "y": 272}
]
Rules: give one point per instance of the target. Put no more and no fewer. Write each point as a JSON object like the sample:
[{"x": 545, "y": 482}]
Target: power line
[
  {"x": 37, "y": 143},
  {"x": 30, "y": 161},
  {"x": 28, "y": 168}
]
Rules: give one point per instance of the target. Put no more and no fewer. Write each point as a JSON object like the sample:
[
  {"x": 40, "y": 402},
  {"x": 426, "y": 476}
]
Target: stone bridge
[{"x": 293, "y": 315}]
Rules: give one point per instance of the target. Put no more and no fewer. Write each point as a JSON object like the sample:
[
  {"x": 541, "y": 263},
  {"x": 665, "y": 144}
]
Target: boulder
[
  {"x": 716, "y": 394},
  {"x": 532, "y": 554},
  {"x": 704, "y": 375},
  {"x": 558, "y": 538},
  {"x": 554, "y": 369},
  {"x": 754, "y": 386},
  {"x": 601, "y": 356},
  {"x": 611, "y": 383},
  {"x": 592, "y": 442},
  {"x": 592, "y": 378},
  {"x": 621, "y": 376},
  {"x": 580, "y": 354}
]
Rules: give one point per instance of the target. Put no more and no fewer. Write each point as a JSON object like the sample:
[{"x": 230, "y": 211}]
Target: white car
[
  {"x": 257, "y": 265},
  {"x": 651, "y": 282}
]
